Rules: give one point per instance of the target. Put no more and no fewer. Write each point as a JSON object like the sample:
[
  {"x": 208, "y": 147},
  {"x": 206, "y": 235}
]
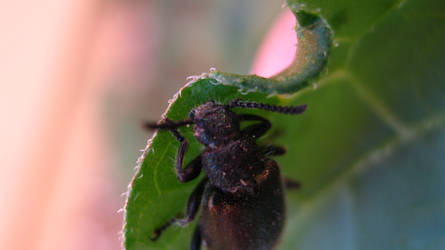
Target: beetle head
[{"x": 215, "y": 124}]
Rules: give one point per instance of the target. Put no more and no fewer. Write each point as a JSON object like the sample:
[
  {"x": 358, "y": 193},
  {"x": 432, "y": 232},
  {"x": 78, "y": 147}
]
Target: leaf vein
[{"x": 380, "y": 109}]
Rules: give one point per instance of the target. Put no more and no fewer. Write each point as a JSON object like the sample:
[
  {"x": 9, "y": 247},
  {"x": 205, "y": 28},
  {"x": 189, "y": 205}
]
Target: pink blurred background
[{"x": 79, "y": 76}]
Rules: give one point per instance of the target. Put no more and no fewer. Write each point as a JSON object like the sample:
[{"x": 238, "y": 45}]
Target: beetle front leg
[
  {"x": 197, "y": 239},
  {"x": 193, "y": 169},
  {"x": 192, "y": 209}
]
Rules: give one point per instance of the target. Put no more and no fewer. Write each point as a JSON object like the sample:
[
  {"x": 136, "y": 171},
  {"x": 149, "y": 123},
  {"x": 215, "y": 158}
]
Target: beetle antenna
[
  {"x": 291, "y": 110},
  {"x": 166, "y": 124}
]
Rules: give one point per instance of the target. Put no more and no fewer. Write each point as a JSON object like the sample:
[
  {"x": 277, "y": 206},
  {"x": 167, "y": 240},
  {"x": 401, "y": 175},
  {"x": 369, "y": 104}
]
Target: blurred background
[{"x": 78, "y": 77}]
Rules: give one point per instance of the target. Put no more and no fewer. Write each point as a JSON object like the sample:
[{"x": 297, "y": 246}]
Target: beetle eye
[{"x": 192, "y": 114}]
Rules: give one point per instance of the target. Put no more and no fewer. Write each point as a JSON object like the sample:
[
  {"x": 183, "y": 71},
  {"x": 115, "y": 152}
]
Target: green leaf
[{"x": 368, "y": 150}]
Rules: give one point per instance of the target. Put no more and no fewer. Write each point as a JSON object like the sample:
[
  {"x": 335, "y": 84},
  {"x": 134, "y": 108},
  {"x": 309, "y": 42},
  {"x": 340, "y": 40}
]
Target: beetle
[{"x": 241, "y": 194}]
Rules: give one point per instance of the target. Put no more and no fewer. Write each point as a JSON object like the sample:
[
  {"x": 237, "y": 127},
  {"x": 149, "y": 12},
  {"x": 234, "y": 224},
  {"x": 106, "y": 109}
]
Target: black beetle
[{"x": 242, "y": 191}]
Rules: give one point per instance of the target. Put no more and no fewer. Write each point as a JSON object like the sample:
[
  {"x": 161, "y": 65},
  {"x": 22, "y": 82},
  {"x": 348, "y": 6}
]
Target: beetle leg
[
  {"x": 192, "y": 209},
  {"x": 273, "y": 150},
  {"x": 193, "y": 203},
  {"x": 197, "y": 238},
  {"x": 255, "y": 130},
  {"x": 192, "y": 170},
  {"x": 158, "y": 231},
  {"x": 291, "y": 184}
]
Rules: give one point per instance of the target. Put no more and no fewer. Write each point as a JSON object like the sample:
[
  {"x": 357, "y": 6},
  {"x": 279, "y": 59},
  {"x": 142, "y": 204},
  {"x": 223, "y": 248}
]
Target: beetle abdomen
[{"x": 244, "y": 222}]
